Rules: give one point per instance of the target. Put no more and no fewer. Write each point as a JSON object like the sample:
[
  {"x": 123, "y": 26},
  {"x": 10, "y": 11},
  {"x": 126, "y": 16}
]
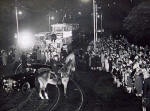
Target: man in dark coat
[
  {"x": 86, "y": 59},
  {"x": 56, "y": 64},
  {"x": 54, "y": 37},
  {"x": 146, "y": 93},
  {"x": 63, "y": 54},
  {"x": 24, "y": 61}
]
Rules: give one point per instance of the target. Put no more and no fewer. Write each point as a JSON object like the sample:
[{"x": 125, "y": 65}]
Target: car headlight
[{"x": 8, "y": 84}]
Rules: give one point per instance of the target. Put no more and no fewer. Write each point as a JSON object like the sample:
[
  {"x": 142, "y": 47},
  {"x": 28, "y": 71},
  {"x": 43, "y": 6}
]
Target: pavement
[{"x": 102, "y": 95}]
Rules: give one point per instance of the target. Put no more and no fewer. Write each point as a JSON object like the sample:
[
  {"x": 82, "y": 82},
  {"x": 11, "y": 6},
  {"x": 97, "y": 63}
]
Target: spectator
[
  {"x": 4, "y": 58},
  {"x": 146, "y": 93}
]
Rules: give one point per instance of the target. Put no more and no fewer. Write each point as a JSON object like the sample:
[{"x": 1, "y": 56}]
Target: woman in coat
[
  {"x": 106, "y": 64},
  {"x": 138, "y": 84}
]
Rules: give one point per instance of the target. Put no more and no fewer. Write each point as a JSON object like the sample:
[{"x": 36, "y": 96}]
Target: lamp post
[
  {"x": 94, "y": 21},
  {"x": 95, "y": 16},
  {"x": 16, "y": 9},
  {"x": 17, "y": 21},
  {"x": 17, "y": 24}
]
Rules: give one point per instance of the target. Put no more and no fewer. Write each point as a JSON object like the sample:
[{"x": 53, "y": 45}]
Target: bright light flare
[
  {"x": 25, "y": 40},
  {"x": 80, "y": 13},
  {"x": 20, "y": 12},
  {"x": 85, "y": 1},
  {"x": 52, "y": 18}
]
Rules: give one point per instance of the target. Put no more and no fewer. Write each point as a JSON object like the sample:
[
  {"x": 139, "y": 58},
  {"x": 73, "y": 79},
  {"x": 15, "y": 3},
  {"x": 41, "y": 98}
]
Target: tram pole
[{"x": 94, "y": 23}]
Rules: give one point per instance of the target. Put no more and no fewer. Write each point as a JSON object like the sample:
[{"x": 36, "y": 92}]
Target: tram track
[
  {"x": 81, "y": 94},
  {"x": 75, "y": 100},
  {"x": 41, "y": 103},
  {"x": 57, "y": 100},
  {"x": 32, "y": 103},
  {"x": 79, "y": 108}
]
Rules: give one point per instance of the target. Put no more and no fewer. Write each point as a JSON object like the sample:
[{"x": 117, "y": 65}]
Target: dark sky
[
  {"x": 58, "y": 9},
  {"x": 35, "y": 14}
]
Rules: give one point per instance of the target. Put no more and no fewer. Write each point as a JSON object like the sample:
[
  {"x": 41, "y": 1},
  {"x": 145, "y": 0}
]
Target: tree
[{"x": 137, "y": 23}]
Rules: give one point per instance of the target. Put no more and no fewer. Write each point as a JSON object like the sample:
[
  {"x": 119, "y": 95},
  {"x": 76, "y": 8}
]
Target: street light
[
  {"x": 18, "y": 51},
  {"x": 79, "y": 13},
  {"x": 16, "y": 9},
  {"x": 52, "y": 18},
  {"x": 17, "y": 23},
  {"x": 20, "y": 12}
]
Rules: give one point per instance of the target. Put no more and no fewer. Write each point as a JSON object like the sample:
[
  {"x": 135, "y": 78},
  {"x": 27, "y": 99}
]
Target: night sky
[{"x": 35, "y": 14}]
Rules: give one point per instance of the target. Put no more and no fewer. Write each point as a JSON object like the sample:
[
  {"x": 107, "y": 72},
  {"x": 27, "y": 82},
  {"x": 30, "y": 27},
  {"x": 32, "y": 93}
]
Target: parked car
[{"x": 23, "y": 81}]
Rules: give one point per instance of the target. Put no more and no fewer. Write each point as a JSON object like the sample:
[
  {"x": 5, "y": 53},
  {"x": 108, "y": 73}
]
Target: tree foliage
[{"x": 137, "y": 23}]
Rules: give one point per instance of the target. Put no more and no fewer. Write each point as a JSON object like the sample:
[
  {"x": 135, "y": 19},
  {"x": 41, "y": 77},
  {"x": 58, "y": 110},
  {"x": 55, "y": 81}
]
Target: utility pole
[
  {"x": 101, "y": 30},
  {"x": 49, "y": 22},
  {"x": 94, "y": 21},
  {"x": 18, "y": 51}
]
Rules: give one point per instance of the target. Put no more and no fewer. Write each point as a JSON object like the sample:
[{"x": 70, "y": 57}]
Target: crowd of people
[
  {"x": 129, "y": 64},
  {"x": 46, "y": 55},
  {"x": 7, "y": 56},
  {"x": 12, "y": 57}
]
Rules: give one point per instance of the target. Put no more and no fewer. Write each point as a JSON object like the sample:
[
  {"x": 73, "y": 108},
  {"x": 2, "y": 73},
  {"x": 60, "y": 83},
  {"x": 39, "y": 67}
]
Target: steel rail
[{"x": 82, "y": 95}]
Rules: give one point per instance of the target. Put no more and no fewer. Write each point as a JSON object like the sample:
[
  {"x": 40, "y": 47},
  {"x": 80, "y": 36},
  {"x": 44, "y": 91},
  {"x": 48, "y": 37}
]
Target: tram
[
  {"x": 60, "y": 37},
  {"x": 64, "y": 33}
]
